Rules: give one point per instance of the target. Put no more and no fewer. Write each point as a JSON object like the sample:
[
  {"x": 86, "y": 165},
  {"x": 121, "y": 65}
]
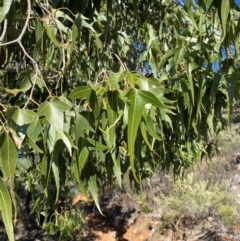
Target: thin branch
[
  {"x": 3, "y": 126},
  {"x": 18, "y": 40},
  {"x": 31, "y": 93},
  {"x": 197, "y": 237},
  {"x": 103, "y": 72},
  {"x": 4, "y": 30},
  {"x": 120, "y": 61},
  {"x": 34, "y": 102},
  {"x": 33, "y": 61}
]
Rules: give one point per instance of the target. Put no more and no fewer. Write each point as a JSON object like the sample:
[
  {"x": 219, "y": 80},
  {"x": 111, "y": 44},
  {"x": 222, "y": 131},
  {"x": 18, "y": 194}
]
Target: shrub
[{"x": 189, "y": 197}]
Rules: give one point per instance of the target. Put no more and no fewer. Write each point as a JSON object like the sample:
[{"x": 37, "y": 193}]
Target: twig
[
  {"x": 31, "y": 93},
  {"x": 18, "y": 40},
  {"x": 4, "y": 30},
  {"x": 120, "y": 61},
  {"x": 197, "y": 237},
  {"x": 103, "y": 72},
  {"x": 24, "y": 51},
  {"x": 3, "y": 126},
  {"x": 179, "y": 220},
  {"x": 34, "y": 102}
]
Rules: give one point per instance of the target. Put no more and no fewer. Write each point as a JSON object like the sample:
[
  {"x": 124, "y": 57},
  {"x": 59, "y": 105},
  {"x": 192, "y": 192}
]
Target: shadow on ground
[{"x": 114, "y": 222}]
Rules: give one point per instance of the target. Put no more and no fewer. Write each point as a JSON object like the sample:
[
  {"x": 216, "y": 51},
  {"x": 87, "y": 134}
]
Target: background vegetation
[{"x": 74, "y": 92}]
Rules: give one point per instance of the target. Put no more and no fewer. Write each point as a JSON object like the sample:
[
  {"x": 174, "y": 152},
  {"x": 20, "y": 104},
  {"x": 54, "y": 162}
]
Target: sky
[{"x": 236, "y": 1}]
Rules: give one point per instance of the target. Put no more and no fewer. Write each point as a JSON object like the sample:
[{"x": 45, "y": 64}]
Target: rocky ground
[{"x": 129, "y": 218}]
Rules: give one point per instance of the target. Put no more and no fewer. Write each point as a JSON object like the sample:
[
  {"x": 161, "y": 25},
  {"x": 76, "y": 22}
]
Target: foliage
[
  {"x": 73, "y": 91},
  {"x": 59, "y": 219},
  {"x": 189, "y": 197},
  {"x": 228, "y": 215}
]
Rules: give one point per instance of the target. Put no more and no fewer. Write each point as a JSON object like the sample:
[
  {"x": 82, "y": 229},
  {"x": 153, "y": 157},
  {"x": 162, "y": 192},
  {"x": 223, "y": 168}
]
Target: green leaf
[
  {"x": 232, "y": 82},
  {"x": 4, "y": 8},
  {"x": 166, "y": 56},
  {"x": 136, "y": 105},
  {"x": 66, "y": 138},
  {"x": 225, "y": 11},
  {"x": 115, "y": 78},
  {"x": 21, "y": 116},
  {"x": 75, "y": 169},
  {"x": 60, "y": 14},
  {"x": 81, "y": 125},
  {"x": 96, "y": 145},
  {"x": 79, "y": 164},
  {"x": 143, "y": 129},
  {"x": 53, "y": 112},
  {"x": 150, "y": 98},
  {"x": 6, "y": 210},
  {"x": 34, "y": 129},
  {"x": 55, "y": 170},
  {"x": 151, "y": 128},
  {"x": 9, "y": 157},
  {"x": 132, "y": 77},
  {"x": 117, "y": 168},
  {"x": 55, "y": 166},
  {"x": 18, "y": 121},
  {"x": 137, "y": 100},
  {"x": 87, "y": 93},
  {"x": 153, "y": 61},
  {"x": 87, "y": 25},
  {"x": 26, "y": 84},
  {"x": 190, "y": 81},
  {"x": 84, "y": 153},
  {"x": 50, "y": 137},
  {"x": 92, "y": 184},
  {"x": 51, "y": 32},
  {"x": 32, "y": 144},
  {"x": 81, "y": 92},
  {"x": 73, "y": 37},
  {"x": 112, "y": 112},
  {"x": 61, "y": 26}
]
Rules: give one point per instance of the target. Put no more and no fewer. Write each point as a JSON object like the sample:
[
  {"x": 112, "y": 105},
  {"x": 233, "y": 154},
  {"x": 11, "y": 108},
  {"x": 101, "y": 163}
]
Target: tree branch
[
  {"x": 23, "y": 30},
  {"x": 18, "y": 40},
  {"x": 4, "y": 30}
]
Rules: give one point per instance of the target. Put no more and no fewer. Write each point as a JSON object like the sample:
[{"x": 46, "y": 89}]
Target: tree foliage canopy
[{"x": 75, "y": 89}]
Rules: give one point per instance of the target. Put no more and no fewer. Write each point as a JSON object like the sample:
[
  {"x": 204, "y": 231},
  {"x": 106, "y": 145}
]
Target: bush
[{"x": 189, "y": 197}]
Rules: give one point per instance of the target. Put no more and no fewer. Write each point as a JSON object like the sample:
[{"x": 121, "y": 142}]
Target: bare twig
[
  {"x": 197, "y": 237},
  {"x": 31, "y": 93},
  {"x": 34, "y": 102},
  {"x": 33, "y": 61},
  {"x": 3, "y": 125},
  {"x": 103, "y": 72},
  {"x": 18, "y": 40},
  {"x": 120, "y": 61},
  {"x": 4, "y": 30}
]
